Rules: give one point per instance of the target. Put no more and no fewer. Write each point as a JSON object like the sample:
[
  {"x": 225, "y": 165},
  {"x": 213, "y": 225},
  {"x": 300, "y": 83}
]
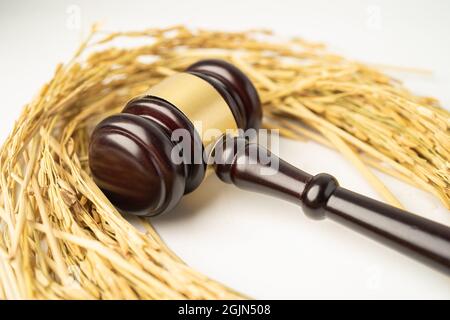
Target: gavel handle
[{"x": 321, "y": 196}]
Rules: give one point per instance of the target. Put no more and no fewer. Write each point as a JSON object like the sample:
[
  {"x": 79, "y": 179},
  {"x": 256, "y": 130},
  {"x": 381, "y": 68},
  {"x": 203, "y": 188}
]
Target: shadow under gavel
[{"x": 131, "y": 156}]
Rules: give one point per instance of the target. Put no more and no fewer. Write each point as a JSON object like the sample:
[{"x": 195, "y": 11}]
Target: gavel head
[{"x": 139, "y": 157}]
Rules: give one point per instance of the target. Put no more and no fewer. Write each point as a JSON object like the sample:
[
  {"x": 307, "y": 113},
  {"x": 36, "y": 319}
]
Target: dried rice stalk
[{"x": 62, "y": 239}]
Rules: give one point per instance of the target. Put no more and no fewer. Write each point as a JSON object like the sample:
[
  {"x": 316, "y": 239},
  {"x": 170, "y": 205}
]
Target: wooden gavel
[{"x": 131, "y": 159}]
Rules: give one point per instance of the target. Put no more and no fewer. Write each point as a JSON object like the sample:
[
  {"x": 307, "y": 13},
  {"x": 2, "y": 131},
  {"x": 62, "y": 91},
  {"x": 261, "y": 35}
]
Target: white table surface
[{"x": 258, "y": 245}]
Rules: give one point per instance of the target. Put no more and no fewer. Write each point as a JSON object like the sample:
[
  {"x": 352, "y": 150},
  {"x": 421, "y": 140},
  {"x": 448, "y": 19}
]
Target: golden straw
[{"x": 60, "y": 236}]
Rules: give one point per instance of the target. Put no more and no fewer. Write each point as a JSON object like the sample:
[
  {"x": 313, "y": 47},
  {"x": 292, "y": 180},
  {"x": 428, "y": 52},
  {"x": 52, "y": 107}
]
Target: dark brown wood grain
[
  {"x": 129, "y": 157},
  {"x": 321, "y": 197},
  {"x": 130, "y": 160},
  {"x": 232, "y": 82},
  {"x": 137, "y": 174}
]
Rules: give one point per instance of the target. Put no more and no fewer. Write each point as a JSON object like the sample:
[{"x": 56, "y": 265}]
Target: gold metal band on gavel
[{"x": 200, "y": 102}]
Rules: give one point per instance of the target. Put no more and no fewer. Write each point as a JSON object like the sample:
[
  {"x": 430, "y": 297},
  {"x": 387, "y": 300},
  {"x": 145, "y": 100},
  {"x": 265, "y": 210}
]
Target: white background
[{"x": 258, "y": 245}]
